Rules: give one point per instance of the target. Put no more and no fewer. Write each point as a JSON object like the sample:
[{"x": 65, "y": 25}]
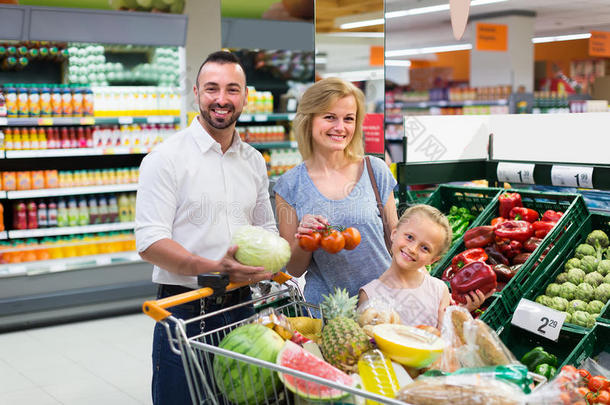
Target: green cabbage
[
  {"x": 260, "y": 247},
  {"x": 576, "y": 276},
  {"x": 594, "y": 279},
  {"x": 576, "y": 305},
  {"x": 602, "y": 292},
  {"x": 567, "y": 290},
  {"x": 571, "y": 264},
  {"x": 589, "y": 264},
  {"x": 595, "y": 307},
  {"x": 584, "y": 292},
  {"x": 553, "y": 290}
]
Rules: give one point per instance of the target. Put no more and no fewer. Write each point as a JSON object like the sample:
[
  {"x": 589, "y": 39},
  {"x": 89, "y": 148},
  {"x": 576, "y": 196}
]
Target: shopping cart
[{"x": 198, "y": 352}]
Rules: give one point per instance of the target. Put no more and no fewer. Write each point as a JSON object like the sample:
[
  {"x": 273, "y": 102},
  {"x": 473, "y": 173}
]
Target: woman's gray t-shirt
[{"x": 350, "y": 269}]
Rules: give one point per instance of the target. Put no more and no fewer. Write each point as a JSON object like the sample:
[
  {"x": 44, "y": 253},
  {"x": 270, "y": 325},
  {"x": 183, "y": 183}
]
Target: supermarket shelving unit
[
  {"x": 44, "y": 292},
  {"x": 441, "y": 149}
]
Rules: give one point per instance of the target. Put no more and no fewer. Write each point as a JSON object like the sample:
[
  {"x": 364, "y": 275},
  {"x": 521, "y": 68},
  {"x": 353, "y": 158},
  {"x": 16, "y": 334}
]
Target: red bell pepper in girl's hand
[
  {"x": 515, "y": 230},
  {"x": 468, "y": 256},
  {"x": 542, "y": 228},
  {"x": 507, "y": 202},
  {"x": 525, "y": 214},
  {"x": 473, "y": 276},
  {"x": 479, "y": 237},
  {"x": 551, "y": 216},
  {"x": 449, "y": 273}
]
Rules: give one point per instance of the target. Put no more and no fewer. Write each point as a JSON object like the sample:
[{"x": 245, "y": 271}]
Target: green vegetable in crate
[
  {"x": 595, "y": 307},
  {"x": 594, "y": 279},
  {"x": 538, "y": 356},
  {"x": 607, "y": 279},
  {"x": 573, "y": 263},
  {"x": 576, "y": 305},
  {"x": 546, "y": 370},
  {"x": 583, "y": 250},
  {"x": 599, "y": 240},
  {"x": 559, "y": 303},
  {"x": 568, "y": 317},
  {"x": 584, "y": 292},
  {"x": 589, "y": 264},
  {"x": 544, "y": 300},
  {"x": 576, "y": 276},
  {"x": 561, "y": 278},
  {"x": 582, "y": 318},
  {"x": 603, "y": 267},
  {"x": 602, "y": 292},
  {"x": 553, "y": 290},
  {"x": 568, "y": 290}
]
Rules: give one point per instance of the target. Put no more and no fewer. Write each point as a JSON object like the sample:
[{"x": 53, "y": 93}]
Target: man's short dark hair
[{"x": 220, "y": 57}]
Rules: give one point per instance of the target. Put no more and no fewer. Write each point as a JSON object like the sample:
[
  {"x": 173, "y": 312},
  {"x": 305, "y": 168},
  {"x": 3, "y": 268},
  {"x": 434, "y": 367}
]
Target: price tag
[
  {"x": 538, "y": 319},
  {"x": 45, "y": 121},
  {"x": 3, "y": 121},
  {"x": 422, "y": 105},
  {"x": 572, "y": 176},
  {"x": 101, "y": 261},
  {"x": 57, "y": 267},
  {"x": 125, "y": 120},
  {"x": 516, "y": 172},
  {"x": 245, "y": 118},
  {"x": 87, "y": 121},
  {"x": 109, "y": 151},
  {"x": 260, "y": 118}
]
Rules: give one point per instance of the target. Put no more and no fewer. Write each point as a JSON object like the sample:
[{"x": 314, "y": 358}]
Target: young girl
[{"x": 421, "y": 237}]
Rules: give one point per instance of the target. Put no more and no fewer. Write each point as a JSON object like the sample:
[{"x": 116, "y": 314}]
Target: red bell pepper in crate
[
  {"x": 473, "y": 276},
  {"x": 507, "y": 202},
  {"x": 479, "y": 237},
  {"x": 525, "y": 214},
  {"x": 509, "y": 248},
  {"x": 494, "y": 256},
  {"x": 515, "y": 230},
  {"x": 498, "y": 220},
  {"x": 532, "y": 243},
  {"x": 542, "y": 228},
  {"x": 468, "y": 256},
  {"x": 551, "y": 216}
]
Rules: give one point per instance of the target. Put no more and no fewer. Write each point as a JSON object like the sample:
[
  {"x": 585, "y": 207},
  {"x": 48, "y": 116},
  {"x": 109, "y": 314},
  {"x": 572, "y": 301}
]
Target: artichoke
[
  {"x": 561, "y": 278},
  {"x": 599, "y": 240},
  {"x": 576, "y": 276},
  {"x": 602, "y": 292},
  {"x": 559, "y": 303},
  {"x": 571, "y": 264},
  {"x": 568, "y": 290},
  {"x": 553, "y": 290},
  {"x": 576, "y": 305},
  {"x": 581, "y": 318},
  {"x": 583, "y": 250},
  {"x": 594, "y": 279},
  {"x": 595, "y": 307},
  {"x": 603, "y": 267},
  {"x": 544, "y": 300},
  {"x": 584, "y": 292},
  {"x": 589, "y": 264}
]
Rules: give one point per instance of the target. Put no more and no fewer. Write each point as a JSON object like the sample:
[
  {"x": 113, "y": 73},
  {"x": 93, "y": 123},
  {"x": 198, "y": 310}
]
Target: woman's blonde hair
[
  {"x": 318, "y": 99},
  {"x": 435, "y": 216}
]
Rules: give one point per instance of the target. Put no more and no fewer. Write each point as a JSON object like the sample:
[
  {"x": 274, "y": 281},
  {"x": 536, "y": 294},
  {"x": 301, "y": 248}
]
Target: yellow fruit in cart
[
  {"x": 377, "y": 374},
  {"x": 408, "y": 345}
]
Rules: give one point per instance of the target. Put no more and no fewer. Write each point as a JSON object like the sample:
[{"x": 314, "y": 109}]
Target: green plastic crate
[
  {"x": 596, "y": 342},
  {"x": 552, "y": 269},
  {"x": 575, "y": 213},
  {"x": 476, "y": 199}
]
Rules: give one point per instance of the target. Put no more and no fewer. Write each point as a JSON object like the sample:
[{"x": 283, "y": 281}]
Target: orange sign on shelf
[
  {"x": 376, "y": 56},
  {"x": 599, "y": 44},
  {"x": 492, "y": 37}
]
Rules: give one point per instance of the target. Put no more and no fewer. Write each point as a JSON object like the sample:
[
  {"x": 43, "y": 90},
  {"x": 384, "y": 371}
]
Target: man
[{"x": 195, "y": 190}]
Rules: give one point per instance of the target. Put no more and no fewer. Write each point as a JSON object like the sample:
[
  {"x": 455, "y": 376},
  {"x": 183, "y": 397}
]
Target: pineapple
[{"x": 343, "y": 340}]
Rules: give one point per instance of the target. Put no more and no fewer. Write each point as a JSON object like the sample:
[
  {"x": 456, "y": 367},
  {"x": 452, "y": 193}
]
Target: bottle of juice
[
  {"x": 32, "y": 215},
  {"x": 113, "y": 210},
  {"x": 1, "y": 218},
  {"x": 72, "y": 212},
  {"x": 46, "y": 109},
  {"x": 62, "y": 213},
  {"x": 56, "y": 101},
  {"x": 132, "y": 207},
  {"x": 42, "y": 138},
  {"x": 66, "y": 101},
  {"x": 94, "y": 214},
  {"x": 34, "y": 101},
  {"x": 83, "y": 212},
  {"x": 123, "y": 208},
  {"x": 377, "y": 374},
  {"x": 25, "y": 139},
  {"x": 23, "y": 105},
  {"x": 43, "y": 219},
  {"x": 102, "y": 203},
  {"x": 34, "y": 143},
  {"x": 52, "y": 214},
  {"x": 8, "y": 139}
]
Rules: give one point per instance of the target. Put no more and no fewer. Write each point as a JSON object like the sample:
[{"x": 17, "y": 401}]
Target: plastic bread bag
[
  {"x": 376, "y": 311},
  {"x": 514, "y": 373},
  {"x": 598, "y": 367},
  {"x": 273, "y": 320},
  {"x": 485, "y": 343},
  {"x": 452, "y": 333}
]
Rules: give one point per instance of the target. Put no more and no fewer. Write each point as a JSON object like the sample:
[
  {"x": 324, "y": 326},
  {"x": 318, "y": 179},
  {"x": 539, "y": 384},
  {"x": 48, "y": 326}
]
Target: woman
[{"x": 332, "y": 187}]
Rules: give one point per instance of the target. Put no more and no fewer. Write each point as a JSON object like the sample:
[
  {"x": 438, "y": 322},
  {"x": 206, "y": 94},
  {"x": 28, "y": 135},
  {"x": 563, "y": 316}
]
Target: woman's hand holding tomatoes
[{"x": 314, "y": 232}]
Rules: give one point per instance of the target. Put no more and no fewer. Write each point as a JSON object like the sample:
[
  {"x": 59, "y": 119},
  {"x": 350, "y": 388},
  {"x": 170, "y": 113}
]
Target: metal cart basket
[{"x": 198, "y": 357}]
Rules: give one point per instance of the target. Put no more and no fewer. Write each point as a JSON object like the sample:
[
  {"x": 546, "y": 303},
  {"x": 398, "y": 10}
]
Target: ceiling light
[
  {"x": 364, "y": 23},
  {"x": 540, "y": 40},
  {"x": 355, "y": 34},
  {"x": 435, "y": 9},
  {"x": 396, "y": 62},
  {"x": 357, "y": 75},
  {"x": 430, "y": 49},
  {"x": 320, "y": 61}
]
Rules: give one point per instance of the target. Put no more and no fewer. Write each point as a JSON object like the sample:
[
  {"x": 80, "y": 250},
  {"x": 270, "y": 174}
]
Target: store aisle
[{"x": 104, "y": 361}]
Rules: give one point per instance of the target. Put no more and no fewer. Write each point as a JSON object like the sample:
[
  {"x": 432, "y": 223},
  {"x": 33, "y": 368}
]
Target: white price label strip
[
  {"x": 538, "y": 319},
  {"x": 572, "y": 176},
  {"x": 3, "y": 121},
  {"x": 516, "y": 172}
]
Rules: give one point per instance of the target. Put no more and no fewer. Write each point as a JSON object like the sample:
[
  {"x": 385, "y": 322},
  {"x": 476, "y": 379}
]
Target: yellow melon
[{"x": 408, "y": 345}]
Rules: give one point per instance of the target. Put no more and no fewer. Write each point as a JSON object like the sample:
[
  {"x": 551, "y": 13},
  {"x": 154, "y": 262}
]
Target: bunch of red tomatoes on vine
[{"x": 332, "y": 239}]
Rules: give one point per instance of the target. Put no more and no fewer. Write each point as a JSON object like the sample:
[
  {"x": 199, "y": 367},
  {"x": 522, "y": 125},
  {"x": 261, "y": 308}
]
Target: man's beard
[{"x": 227, "y": 122}]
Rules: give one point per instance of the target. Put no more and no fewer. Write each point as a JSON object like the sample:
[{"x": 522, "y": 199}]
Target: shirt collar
[{"x": 205, "y": 141}]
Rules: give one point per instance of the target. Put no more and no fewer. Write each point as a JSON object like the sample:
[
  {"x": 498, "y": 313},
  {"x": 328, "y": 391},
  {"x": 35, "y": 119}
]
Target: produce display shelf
[
  {"x": 444, "y": 103},
  {"x": 575, "y": 212},
  {"x": 266, "y": 117},
  {"x": 273, "y": 145},
  {"x": 594, "y": 343},
  {"x": 65, "y": 264},
  {"x": 68, "y": 230},
  {"x": 55, "y": 192},
  {"x": 46, "y": 153},
  {"x": 476, "y": 199},
  {"x": 48, "y": 121},
  {"x": 554, "y": 268}
]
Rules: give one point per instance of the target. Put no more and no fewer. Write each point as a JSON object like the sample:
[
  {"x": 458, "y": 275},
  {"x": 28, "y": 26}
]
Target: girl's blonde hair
[
  {"x": 435, "y": 216},
  {"x": 319, "y": 98}
]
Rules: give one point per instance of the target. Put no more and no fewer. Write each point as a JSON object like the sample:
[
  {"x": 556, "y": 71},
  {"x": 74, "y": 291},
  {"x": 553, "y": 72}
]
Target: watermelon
[
  {"x": 243, "y": 383},
  {"x": 295, "y": 357}
]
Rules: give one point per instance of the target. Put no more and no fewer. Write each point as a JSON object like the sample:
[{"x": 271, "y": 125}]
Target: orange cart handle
[{"x": 156, "y": 309}]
